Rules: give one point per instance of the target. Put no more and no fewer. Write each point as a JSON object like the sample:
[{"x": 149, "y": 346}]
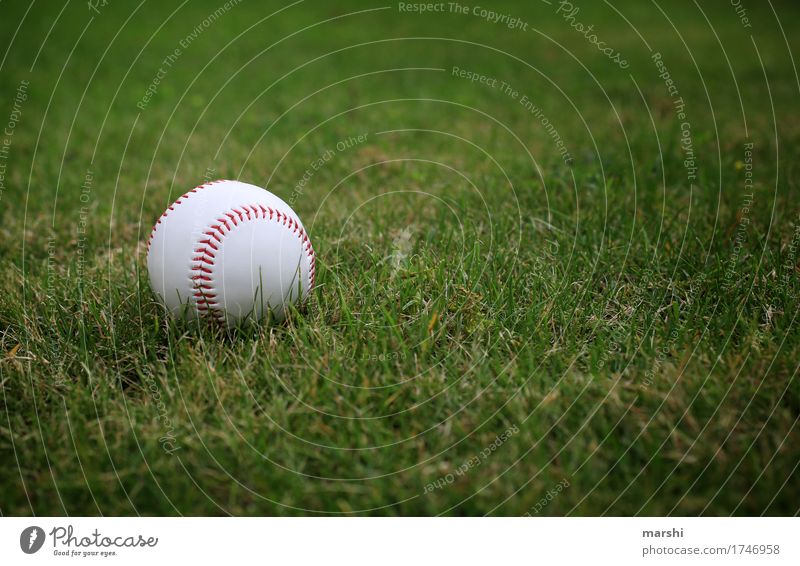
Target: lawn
[{"x": 557, "y": 267}]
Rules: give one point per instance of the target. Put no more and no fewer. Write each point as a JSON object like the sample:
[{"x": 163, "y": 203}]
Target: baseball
[{"x": 232, "y": 252}]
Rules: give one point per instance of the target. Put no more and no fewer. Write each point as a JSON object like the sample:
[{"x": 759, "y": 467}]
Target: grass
[{"x": 490, "y": 321}]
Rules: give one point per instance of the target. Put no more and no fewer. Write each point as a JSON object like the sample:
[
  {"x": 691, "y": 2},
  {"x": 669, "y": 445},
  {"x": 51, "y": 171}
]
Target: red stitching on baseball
[
  {"x": 202, "y": 283},
  {"x": 178, "y": 201}
]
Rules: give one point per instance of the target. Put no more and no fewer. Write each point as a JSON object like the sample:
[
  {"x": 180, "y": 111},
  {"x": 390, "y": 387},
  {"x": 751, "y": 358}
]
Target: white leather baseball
[{"x": 231, "y": 251}]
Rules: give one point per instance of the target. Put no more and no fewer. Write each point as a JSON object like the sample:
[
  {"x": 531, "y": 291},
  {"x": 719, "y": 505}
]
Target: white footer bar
[{"x": 402, "y": 541}]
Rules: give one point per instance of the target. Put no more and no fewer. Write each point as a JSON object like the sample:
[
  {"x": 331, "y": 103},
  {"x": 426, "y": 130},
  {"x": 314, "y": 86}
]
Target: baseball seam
[
  {"x": 203, "y": 291},
  {"x": 177, "y": 202}
]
